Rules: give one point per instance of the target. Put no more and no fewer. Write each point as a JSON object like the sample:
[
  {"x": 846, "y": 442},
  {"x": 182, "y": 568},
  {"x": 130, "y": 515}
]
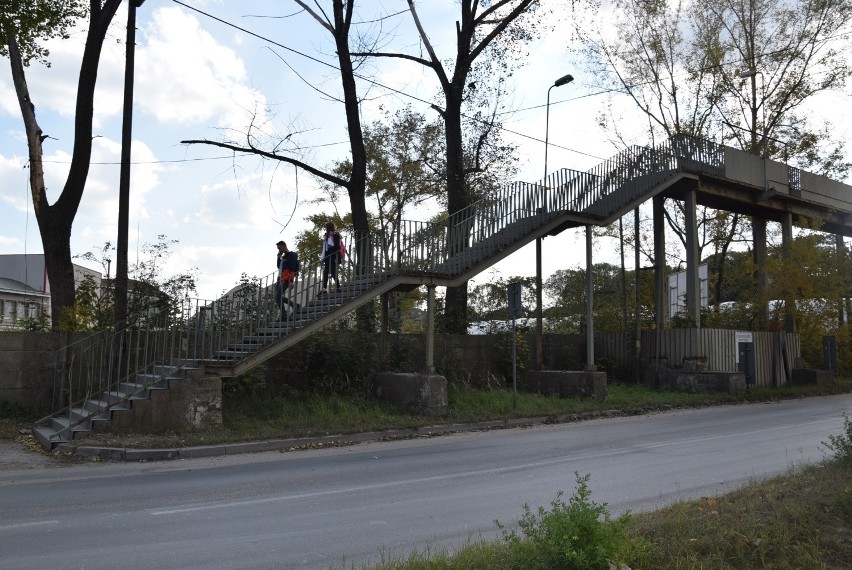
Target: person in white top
[{"x": 330, "y": 257}]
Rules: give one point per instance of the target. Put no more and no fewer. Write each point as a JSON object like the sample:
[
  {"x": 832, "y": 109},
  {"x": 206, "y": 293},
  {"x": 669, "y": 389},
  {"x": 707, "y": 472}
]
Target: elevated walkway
[{"x": 229, "y": 336}]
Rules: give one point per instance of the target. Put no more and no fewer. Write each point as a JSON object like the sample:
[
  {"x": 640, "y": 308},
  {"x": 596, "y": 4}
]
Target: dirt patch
[{"x": 25, "y": 452}]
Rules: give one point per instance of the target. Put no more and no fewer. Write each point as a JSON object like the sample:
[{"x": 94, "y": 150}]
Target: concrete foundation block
[
  {"x": 189, "y": 404},
  {"x": 423, "y": 394},
  {"x": 567, "y": 383},
  {"x": 809, "y": 376}
]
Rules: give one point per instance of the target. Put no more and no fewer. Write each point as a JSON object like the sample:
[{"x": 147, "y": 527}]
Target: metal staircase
[{"x": 105, "y": 373}]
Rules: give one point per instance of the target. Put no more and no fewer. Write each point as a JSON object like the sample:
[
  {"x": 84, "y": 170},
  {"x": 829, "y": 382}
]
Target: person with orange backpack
[{"x": 288, "y": 268}]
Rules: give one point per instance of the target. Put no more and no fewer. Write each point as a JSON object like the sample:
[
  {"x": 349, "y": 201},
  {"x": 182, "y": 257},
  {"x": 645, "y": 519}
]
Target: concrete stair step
[{"x": 50, "y": 438}]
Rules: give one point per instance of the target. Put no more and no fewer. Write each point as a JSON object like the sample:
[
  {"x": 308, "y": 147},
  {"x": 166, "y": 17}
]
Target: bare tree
[
  {"x": 24, "y": 23},
  {"x": 739, "y": 71},
  {"x": 501, "y": 27},
  {"x": 338, "y": 24}
]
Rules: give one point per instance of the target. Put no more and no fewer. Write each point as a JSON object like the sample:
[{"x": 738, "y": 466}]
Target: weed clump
[
  {"x": 578, "y": 534},
  {"x": 841, "y": 445}
]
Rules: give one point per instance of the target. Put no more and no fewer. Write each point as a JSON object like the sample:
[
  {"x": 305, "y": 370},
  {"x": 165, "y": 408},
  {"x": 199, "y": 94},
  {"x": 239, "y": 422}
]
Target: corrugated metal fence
[{"x": 774, "y": 353}]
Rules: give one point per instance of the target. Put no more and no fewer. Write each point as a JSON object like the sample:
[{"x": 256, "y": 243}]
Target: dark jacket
[
  {"x": 332, "y": 252},
  {"x": 289, "y": 260}
]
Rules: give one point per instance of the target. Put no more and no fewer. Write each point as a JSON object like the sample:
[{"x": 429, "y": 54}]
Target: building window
[
  {"x": 32, "y": 311},
  {"x": 9, "y": 311}
]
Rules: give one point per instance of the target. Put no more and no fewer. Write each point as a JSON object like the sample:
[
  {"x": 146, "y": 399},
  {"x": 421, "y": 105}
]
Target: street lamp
[
  {"x": 564, "y": 80},
  {"x": 752, "y": 74}
]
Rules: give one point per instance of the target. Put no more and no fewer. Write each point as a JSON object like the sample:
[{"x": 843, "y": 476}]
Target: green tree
[
  {"x": 567, "y": 290},
  {"x": 153, "y": 297},
  {"x": 489, "y": 301},
  {"x": 738, "y": 71},
  {"x": 24, "y": 24}
]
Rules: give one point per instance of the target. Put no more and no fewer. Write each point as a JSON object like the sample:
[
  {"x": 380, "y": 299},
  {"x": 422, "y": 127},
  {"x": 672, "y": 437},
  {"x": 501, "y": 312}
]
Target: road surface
[{"x": 330, "y": 507}]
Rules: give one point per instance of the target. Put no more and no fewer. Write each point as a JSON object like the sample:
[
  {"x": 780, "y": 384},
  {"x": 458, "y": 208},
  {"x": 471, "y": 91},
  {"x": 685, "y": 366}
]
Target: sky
[{"x": 197, "y": 77}]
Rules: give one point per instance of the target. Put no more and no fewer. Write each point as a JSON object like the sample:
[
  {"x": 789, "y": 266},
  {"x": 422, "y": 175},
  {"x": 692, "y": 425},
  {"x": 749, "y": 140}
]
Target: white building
[{"x": 25, "y": 288}]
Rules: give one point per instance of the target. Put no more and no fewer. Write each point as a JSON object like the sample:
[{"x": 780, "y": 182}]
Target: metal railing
[{"x": 253, "y": 315}]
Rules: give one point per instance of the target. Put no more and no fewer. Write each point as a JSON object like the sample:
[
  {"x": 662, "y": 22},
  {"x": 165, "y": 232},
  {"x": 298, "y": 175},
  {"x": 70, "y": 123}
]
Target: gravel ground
[{"x": 24, "y": 453}]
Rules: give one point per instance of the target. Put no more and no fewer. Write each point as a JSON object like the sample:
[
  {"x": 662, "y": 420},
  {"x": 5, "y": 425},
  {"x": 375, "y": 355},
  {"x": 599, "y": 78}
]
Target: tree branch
[{"x": 273, "y": 156}]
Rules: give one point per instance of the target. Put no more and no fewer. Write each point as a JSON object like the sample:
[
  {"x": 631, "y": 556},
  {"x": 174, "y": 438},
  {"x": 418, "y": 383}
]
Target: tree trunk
[
  {"x": 55, "y": 221},
  {"x": 455, "y": 307},
  {"x": 358, "y": 178}
]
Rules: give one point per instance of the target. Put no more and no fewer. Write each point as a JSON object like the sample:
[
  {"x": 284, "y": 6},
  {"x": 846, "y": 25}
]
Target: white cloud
[{"x": 183, "y": 75}]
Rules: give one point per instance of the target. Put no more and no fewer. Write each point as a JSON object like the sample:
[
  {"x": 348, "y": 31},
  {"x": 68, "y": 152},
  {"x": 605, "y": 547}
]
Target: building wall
[{"x": 34, "y": 297}]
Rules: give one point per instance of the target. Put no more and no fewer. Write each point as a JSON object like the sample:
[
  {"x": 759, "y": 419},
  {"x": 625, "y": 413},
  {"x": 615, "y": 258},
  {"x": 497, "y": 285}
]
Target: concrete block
[
  {"x": 211, "y": 451},
  {"x": 190, "y": 404},
  {"x": 150, "y": 454},
  {"x": 810, "y": 376},
  {"x": 424, "y": 394}
]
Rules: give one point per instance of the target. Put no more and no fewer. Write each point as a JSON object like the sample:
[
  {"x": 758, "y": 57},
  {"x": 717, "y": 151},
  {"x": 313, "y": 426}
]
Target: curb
[{"x": 297, "y": 444}]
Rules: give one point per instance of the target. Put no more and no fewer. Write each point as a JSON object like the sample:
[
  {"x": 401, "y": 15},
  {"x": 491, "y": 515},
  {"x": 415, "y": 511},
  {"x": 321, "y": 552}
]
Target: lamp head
[{"x": 564, "y": 80}]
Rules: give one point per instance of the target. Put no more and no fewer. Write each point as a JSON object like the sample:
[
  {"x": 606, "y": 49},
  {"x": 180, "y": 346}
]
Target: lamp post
[
  {"x": 752, "y": 74},
  {"x": 564, "y": 80}
]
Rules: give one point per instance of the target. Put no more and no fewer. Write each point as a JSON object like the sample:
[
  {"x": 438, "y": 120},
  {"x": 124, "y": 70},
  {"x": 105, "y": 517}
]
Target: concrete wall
[{"x": 27, "y": 363}]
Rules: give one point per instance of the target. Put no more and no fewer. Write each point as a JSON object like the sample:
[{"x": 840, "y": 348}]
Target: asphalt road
[{"x": 324, "y": 508}]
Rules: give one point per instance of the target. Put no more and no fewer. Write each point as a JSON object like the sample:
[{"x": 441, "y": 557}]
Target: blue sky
[{"x": 199, "y": 78}]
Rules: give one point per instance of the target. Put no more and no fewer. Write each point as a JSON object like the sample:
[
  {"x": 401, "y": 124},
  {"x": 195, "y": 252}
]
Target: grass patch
[
  {"x": 801, "y": 520},
  {"x": 266, "y": 414}
]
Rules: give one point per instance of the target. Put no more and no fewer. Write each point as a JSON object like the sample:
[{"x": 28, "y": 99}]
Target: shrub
[
  {"x": 841, "y": 445},
  {"x": 579, "y": 534}
]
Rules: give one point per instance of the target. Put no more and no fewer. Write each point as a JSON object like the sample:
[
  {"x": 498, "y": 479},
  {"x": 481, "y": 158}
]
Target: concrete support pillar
[
  {"x": 786, "y": 245},
  {"x": 759, "y": 245},
  {"x": 842, "y": 315},
  {"x": 590, "y": 317},
  {"x": 660, "y": 284},
  {"x": 693, "y": 290},
  {"x": 539, "y": 320},
  {"x": 383, "y": 342},
  {"x": 430, "y": 329},
  {"x": 637, "y": 333}
]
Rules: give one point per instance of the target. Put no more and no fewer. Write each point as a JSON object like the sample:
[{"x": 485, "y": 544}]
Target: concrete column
[
  {"x": 430, "y": 329},
  {"x": 590, "y": 317},
  {"x": 759, "y": 256},
  {"x": 383, "y": 342},
  {"x": 786, "y": 244},
  {"x": 693, "y": 291},
  {"x": 660, "y": 284},
  {"x": 539, "y": 320},
  {"x": 842, "y": 316}
]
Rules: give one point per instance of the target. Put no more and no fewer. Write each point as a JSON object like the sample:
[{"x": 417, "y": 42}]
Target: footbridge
[{"x": 229, "y": 336}]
